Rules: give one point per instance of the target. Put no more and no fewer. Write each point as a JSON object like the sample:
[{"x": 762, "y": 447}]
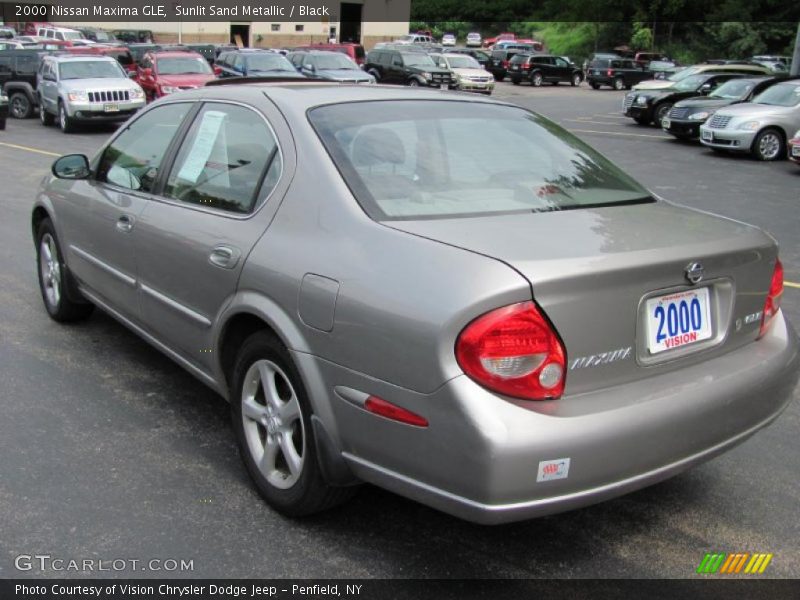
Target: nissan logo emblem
[{"x": 694, "y": 272}]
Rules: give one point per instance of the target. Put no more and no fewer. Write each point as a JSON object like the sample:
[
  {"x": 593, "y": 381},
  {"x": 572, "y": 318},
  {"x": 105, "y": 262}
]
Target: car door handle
[
  {"x": 224, "y": 256},
  {"x": 125, "y": 223}
]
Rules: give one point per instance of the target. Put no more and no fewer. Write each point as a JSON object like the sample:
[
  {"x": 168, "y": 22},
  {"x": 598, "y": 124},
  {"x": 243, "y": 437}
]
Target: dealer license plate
[
  {"x": 665, "y": 123},
  {"x": 708, "y": 135},
  {"x": 111, "y": 107},
  {"x": 678, "y": 320}
]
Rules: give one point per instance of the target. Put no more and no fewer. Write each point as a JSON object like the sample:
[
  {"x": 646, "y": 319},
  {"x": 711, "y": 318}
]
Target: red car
[
  {"x": 499, "y": 37},
  {"x": 354, "y": 51},
  {"x": 163, "y": 73},
  {"x": 794, "y": 148}
]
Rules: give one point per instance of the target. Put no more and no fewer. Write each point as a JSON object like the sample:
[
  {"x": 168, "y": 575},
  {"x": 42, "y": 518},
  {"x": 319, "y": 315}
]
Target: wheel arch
[
  {"x": 21, "y": 86},
  {"x": 252, "y": 312},
  {"x": 781, "y": 131}
]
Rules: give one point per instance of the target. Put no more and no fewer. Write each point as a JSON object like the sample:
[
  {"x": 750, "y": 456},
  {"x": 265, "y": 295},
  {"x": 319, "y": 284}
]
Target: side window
[
  {"x": 238, "y": 63},
  {"x": 133, "y": 159},
  {"x": 227, "y": 152},
  {"x": 5, "y": 64},
  {"x": 386, "y": 58},
  {"x": 560, "y": 62},
  {"x": 397, "y": 60},
  {"x": 26, "y": 65}
]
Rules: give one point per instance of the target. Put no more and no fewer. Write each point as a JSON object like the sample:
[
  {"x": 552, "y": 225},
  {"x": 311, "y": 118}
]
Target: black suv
[
  {"x": 619, "y": 73},
  {"x": 407, "y": 68},
  {"x": 541, "y": 68},
  {"x": 500, "y": 59},
  {"x": 647, "y": 106},
  {"x": 18, "y": 80}
]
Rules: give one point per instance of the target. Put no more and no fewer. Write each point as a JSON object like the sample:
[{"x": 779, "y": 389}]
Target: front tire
[
  {"x": 661, "y": 111},
  {"x": 45, "y": 117},
  {"x": 413, "y": 83},
  {"x": 576, "y": 80},
  {"x": 769, "y": 145},
  {"x": 272, "y": 420},
  {"x": 64, "y": 121},
  {"x": 20, "y": 106},
  {"x": 53, "y": 278}
]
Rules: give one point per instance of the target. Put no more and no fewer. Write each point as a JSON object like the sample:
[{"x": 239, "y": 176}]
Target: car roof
[
  {"x": 81, "y": 57},
  {"x": 174, "y": 53}
]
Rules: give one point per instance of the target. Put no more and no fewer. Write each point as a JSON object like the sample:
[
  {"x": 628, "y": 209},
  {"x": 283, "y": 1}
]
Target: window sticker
[{"x": 204, "y": 142}]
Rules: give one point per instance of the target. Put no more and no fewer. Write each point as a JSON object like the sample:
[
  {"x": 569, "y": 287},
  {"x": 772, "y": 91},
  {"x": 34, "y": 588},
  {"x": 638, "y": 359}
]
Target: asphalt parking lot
[{"x": 112, "y": 451}]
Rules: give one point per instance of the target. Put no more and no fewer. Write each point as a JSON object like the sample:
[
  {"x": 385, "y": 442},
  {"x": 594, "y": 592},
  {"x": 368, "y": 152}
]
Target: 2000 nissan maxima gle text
[{"x": 390, "y": 296}]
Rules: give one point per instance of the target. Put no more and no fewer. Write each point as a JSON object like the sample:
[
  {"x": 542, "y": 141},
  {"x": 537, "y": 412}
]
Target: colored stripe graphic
[{"x": 723, "y": 563}]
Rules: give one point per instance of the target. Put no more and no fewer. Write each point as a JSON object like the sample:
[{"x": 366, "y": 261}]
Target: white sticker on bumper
[{"x": 553, "y": 469}]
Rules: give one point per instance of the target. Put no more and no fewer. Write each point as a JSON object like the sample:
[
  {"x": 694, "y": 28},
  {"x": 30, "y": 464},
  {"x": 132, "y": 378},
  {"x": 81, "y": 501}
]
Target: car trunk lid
[{"x": 593, "y": 269}]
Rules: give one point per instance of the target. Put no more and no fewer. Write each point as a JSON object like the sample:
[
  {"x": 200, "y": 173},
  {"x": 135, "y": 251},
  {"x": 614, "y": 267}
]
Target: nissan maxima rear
[{"x": 497, "y": 334}]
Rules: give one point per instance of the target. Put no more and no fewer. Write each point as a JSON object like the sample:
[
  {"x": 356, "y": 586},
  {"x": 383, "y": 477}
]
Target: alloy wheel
[
  {"x": 50, "y": 270},
  {"x": 273, "y": 424},
  {"x": 769, "y": 145},
  {"x": 20, "y": 106}
]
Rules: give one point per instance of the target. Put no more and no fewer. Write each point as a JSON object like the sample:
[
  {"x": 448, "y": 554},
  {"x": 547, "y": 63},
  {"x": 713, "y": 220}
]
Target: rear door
[{"x": 192, "y": 242}]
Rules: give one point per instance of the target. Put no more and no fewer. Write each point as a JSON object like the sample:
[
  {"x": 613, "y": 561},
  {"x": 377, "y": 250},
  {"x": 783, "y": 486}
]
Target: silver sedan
[{"x": 385, "y": 294}]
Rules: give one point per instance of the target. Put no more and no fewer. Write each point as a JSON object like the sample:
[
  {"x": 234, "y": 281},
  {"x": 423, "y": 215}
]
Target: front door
[
  {"x": 192, "y": 243},
  {"x": 100, "y": 216}
]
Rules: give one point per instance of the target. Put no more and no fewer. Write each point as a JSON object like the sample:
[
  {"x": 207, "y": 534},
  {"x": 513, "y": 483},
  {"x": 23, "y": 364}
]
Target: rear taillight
[
  {"x": 527, "y": 66},
  {"x": 514, "y": 351},
  {"x": 610, "y": 72},
  {"x": 773, "y": 301},
  {"x": 505, "y": 64}
]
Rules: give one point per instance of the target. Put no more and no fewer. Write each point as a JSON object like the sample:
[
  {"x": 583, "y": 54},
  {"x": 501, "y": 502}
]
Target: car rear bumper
[
  {"x": 599, "y": 80},
  {"x": 480, "y": 455},
  {"x": 740, "y": 141}
]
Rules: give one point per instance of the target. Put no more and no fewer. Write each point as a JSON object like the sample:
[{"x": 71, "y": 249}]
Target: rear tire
[
  {"x": 594, "y": 86},
  {"x": 769, "y": 145},
  {"x": 20, "y": 106},
  {"x": 54, "y": 278},
  {"x": 537, "y": 80},
  {"x": 576, "y": 80},
  {"x": 272, "y": 420},
  {"x": 619, "y": 84}
]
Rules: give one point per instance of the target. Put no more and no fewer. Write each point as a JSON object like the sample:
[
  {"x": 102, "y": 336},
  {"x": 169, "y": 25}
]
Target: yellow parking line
[
  {"x": 29, "y": 149},
  {"x": 644, "y": 135},
  {"x": 792, "y": 284}
]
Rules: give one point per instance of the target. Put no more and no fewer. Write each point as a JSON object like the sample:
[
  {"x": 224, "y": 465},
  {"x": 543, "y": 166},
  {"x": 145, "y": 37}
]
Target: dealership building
[{"x": 364, "y": 21}]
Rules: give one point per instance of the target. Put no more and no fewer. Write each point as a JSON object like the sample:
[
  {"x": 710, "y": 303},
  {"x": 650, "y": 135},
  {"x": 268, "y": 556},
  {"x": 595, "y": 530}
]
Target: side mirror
[
  {"x": 71, "y": 166},
  {"x": 309, "y": 67},
  {"x": 706, "y": 88}
]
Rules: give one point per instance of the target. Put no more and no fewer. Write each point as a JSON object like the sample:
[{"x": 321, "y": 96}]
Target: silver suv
[{"x": 85, "y": 89}]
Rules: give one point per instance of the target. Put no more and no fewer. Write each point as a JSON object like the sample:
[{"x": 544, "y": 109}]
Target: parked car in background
[
  {"x": 618, "y": 73},
  {"x": 331, "y": 66},
  {"x": 651, "y": 106},
  {"x": 98, "y": 35},
  {"x": 255, "y": 62},
  {"x": 761, "y": 127},
  {"x": 686, "y": 116},
  {"x": 543, "y": 68},
  {"x": 469, "y": 75},
  {"x": 11, "y": 45},
  {"x": 774, "y": 66},
  {"x": 501, "y": 59},
  {"x": 85, "y": 89},
  {"x": 134, "y": 36},
  {"x": 415, "y": 38},
  {"x": 752, "y": 70},
  {"x": 139, "y": 50},
  {"x": 6, "y": 33},
  {"x": 354, "y": 51},
  {"x": 31, "y": 27},
  {"x": 491, "y": 41},
  {"x": 3, "y": 110},
  {"x": 643, "y": 59},
  {"x": 661, "y": 69},
  {"x": 784, "y": 60},
  {"x": 481, "y": 56},
  {"x": 161, "y": 73},
  {"x": 406, "y": 67},
  {"x": 207, "y": 51},
  {"x": 794, "y": 147},
  {"x": 574, "y": 336},
  {"x": 474, "y": 40},
  {"x": 62, "y": 34},
  {"x": 18, "y": 80},
  {"x": 448, "y": 39},
  {"x": 122, "y": 54}
]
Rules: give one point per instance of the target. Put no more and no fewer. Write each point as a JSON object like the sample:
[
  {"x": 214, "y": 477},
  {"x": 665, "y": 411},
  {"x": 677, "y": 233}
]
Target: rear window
[{"x": 418, "y": 160}]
